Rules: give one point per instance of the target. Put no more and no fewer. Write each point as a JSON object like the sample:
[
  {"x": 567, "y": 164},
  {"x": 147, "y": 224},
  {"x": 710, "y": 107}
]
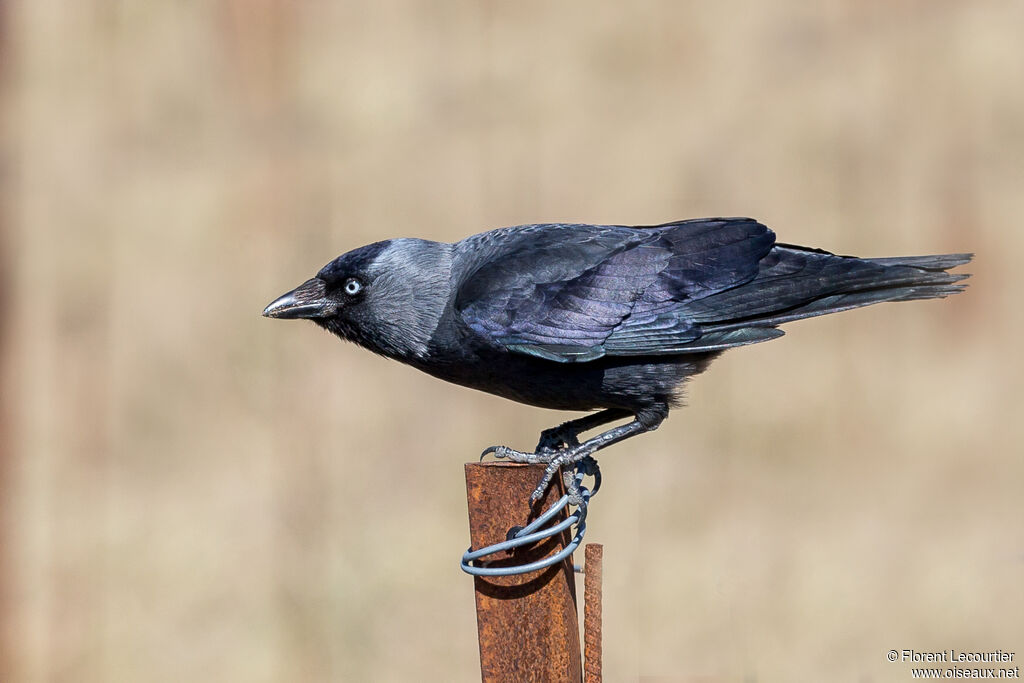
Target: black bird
[{"x": 585, "y": 317}]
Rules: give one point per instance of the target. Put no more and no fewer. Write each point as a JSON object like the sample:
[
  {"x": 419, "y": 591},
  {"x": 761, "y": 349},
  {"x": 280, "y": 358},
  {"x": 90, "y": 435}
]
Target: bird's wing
[{"x": 573, "y": 293}]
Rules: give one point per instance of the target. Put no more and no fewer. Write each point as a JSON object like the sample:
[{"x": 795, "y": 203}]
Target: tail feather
[
  {"x": 801, "y": 284},
  {"x": 929, "y": 292},
  {"x": 933, "y": 263}
]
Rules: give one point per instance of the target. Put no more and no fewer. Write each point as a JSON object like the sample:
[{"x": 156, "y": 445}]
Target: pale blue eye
[{"x": 353, "y": 287}]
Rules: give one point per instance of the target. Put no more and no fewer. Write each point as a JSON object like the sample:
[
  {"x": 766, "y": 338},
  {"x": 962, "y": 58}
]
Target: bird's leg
[
  {"x": 573, "y": 454},
  {"x": 566, "y": 435}
]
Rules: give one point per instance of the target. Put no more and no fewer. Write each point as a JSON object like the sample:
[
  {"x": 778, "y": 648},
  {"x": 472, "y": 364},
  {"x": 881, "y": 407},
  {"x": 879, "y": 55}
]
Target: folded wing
[{"x": 573, "y": 293}]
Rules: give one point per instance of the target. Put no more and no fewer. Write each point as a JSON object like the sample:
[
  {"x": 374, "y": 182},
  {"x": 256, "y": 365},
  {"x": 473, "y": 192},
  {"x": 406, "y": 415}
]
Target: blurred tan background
[{"x": 191, "y": 492}]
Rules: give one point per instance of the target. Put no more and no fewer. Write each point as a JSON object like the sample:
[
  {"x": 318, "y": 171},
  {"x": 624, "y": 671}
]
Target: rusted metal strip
[
  {"x": 593, "y": 554},
  {"x": 527, "y": 624}
]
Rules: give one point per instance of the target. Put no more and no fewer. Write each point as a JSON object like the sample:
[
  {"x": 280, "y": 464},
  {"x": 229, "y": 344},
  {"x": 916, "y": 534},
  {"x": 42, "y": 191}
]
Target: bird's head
[{"x": 387, "y": 296}]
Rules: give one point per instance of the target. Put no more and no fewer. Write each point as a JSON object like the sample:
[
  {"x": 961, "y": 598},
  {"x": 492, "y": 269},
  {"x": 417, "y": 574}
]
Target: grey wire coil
[{"x": 473, "y": 562}]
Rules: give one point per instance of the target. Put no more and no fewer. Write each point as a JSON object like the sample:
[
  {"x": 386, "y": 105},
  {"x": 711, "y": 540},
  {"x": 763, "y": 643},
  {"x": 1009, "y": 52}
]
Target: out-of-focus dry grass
[{"x": 195, "y": 493}]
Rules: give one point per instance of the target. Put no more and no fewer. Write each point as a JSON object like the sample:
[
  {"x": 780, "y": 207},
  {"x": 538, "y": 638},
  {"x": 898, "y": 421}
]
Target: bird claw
[
  {"x": 512, "y": 455},
  {"x": 563, "y": 461},
  {"x": 555, "y": 460}
]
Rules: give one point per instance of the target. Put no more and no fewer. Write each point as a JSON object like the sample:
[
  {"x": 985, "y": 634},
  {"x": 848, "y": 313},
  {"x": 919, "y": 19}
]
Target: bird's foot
[{"x": 555, "y": 460}]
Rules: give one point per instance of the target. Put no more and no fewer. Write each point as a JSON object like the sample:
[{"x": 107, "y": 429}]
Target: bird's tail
[
  {"x": 796, "y": 283},
  {"x": 899, "y": 279}
]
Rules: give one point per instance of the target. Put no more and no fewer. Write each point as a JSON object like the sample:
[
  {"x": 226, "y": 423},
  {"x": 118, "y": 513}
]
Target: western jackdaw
[{"x": 587, "y": 317}]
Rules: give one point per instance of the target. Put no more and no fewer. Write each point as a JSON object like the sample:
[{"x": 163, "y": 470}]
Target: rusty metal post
[
  {"x": 593, "y": 554},
  {"x": 527, "y": 624}
]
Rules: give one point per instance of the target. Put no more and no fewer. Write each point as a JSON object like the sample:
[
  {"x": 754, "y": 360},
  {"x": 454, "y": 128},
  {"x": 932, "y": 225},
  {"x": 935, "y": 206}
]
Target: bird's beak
[{"x": 308, "y": 300}]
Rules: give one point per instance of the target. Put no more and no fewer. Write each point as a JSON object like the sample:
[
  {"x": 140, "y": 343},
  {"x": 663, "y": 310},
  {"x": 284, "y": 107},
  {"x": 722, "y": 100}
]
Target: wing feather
[{"x": 574, "y": 293}]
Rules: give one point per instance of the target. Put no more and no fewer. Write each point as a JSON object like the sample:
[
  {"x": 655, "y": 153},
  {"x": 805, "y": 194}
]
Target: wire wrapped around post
[{"x": 473, "y": 561}]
